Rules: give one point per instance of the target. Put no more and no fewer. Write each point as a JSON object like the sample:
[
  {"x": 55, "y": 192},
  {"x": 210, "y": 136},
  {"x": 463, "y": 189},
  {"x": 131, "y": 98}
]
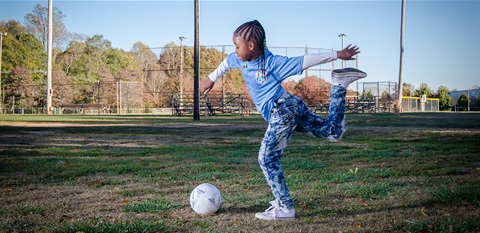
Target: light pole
[
  {"x": 49, "y": 58},
  {"x": 343, "y": 36},
  {"x": 196, "y": 63},
  {"x": 398, "y": 107},
  {"x": 181, "y": 38},
  {"x": 1, "y": 88}
]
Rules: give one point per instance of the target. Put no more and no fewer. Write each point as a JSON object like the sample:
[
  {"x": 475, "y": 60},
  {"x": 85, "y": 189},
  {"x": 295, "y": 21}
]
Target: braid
[{"x": 253, "y": 32}]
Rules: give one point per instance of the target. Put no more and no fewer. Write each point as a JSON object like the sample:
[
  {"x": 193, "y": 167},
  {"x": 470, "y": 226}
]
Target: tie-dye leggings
[{"x": 289, "y": 114}]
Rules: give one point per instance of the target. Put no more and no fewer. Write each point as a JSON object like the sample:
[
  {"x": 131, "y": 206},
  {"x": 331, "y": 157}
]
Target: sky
[{"x": 441, "y": 42}]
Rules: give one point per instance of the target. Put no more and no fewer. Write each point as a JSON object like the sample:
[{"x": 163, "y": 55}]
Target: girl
[{"x": 263, "y": 73}]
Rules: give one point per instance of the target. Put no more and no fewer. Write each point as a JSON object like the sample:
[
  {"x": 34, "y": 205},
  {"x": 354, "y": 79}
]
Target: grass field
[{"x": 417, "y": 172}]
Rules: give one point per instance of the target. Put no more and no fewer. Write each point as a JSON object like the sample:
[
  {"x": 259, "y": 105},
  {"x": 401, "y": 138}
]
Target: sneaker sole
[
  {"x": 259, "y": 216},
  {"x": 348, "y": 72}
]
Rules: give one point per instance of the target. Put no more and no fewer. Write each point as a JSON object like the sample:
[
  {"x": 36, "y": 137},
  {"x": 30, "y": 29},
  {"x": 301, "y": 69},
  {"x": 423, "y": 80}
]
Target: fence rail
[{"x": 236, "y": 104}]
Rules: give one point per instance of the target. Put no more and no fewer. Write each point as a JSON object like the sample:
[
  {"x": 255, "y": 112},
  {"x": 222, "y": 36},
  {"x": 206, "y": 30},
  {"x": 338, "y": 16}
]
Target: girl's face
[{"x": 243, "y": 49}]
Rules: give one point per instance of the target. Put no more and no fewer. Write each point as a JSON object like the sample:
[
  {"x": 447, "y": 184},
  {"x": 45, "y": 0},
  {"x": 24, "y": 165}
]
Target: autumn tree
[
  {"x": 232, "y": 81},
  {"x": 13, "y": 27},
  {"x": 36, "y": 23},
  {"x": 69, "y": 58},
  {"x": 21, "y": 49},
  {"x": 154, "y": 78},
  {"x": 170, "y": 59},
  {"x": 94, "y": 67},
  {"x": 18, "y": 88},
  {"x": 62, "y": 89},
  {"x": 143, "y": 54},
  {"x": 118, "y": 60},
  {"x": 91, "y": 60},
  {"x": 107, "y": 88},
  {"x": 289, "y": 85},
  {"x": 23, "y": 63},
  {"x": 314, "y": 91}
]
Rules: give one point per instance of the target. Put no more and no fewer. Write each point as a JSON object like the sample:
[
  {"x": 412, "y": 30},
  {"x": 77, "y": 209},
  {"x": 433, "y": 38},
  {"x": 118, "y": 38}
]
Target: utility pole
[
  {"x": 49, "y": 58},
  {"x": 1, "y": 87},
  {"x": 398, "y": 106},
  {"x": 223, "y": 82},
  {"x": 343, "y": 36},
  {"x": 196, "y": 65},
  {"x": 306, "y": 53},
  {"x": 181, "y": 68}
]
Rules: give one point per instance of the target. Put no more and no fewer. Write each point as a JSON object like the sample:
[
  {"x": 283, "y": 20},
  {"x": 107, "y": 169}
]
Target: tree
[
  {"x": 367, "y": 95},
  {"x": 445, "y": 101},
  {"x": 385, "y": 97},
  {"x": 289, "y": 85},
  {"x": 62, "y": 89},
  {"x": 84, "y": 60},
  {"x": 91, "y": 60},
  {"x": 408, "y": 89},
  {"x": 37, "y": 24},
  {"x": 73, "y": 53},
  {"x": 154, "y": 82},
  {"x": 463, "y": 101},
  {"x": 117, "y": 60},
  {"x": 23, "y": 59},
  {"x": 170, "y": 59},
  {"x": 144, "y": 55},
  {"x": 13, "y": 27},
  {"x": 21, "y": 49},
  {"x": 18, "y": 88},
  {"x": 477, "y": 102},
  {"x": 154, "y": 78},
  {"x": 314, "y": 91},
  {"x": 108, "y": 88},
  {"x": 423, "y": 90}
]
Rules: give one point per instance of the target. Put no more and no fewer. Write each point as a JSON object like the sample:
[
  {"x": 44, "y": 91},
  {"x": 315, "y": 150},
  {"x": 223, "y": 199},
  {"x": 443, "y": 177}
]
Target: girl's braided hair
[{"x": 253, "y": 32}]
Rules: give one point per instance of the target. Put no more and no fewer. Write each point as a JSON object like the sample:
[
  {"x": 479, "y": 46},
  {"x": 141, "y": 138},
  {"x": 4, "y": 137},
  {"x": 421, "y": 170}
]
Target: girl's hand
[
  {"x": 206, "y": 86},
  {"x": 348, "y": 53}
]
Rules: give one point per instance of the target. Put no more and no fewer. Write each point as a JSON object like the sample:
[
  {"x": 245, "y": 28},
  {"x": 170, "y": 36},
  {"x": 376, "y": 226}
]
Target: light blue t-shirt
[{"x": 265, "y": 91}]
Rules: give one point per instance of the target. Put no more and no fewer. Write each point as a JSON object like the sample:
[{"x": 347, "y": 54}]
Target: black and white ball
[{"x": 205, "y": 199}]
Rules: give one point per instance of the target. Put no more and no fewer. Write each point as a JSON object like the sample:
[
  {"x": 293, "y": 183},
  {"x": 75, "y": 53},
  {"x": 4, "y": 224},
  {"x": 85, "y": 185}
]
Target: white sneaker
[
  {"x": 343, "y": 77},
  {"x": 275, "y": 212}
]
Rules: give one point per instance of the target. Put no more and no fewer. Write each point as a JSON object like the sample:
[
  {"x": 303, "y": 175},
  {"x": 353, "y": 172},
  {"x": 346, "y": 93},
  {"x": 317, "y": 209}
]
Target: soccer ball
[{"x": 205, "y": 199}]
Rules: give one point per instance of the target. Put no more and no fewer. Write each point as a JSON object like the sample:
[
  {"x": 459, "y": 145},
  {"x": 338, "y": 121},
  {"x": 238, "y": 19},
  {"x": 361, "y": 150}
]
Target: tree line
[{"x": 87, "y": 68}]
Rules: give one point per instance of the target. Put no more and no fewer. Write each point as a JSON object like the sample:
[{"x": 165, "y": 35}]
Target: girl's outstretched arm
[
  {"x": 214, "y": 76},
  {"x": 310, "y": 60},
  {"x": 347, "y": 53}
]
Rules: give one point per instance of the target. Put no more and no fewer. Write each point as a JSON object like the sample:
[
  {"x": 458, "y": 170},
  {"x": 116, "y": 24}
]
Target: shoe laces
[{"x": 274, "y": 208}]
